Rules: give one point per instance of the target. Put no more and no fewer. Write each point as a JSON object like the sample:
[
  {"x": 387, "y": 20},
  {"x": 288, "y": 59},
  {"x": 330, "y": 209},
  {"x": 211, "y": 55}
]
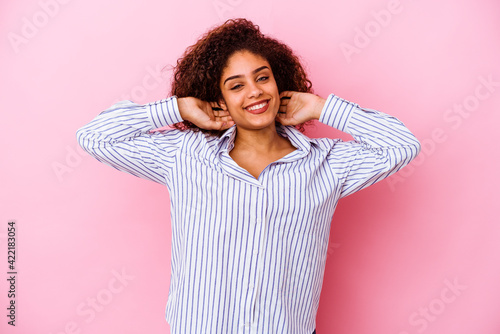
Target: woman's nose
[{"x": 254, "y": 90}]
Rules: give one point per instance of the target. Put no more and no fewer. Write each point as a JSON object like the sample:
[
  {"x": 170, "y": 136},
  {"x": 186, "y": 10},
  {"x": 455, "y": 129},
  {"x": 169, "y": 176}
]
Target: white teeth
[{"x": 258, "y": 106}]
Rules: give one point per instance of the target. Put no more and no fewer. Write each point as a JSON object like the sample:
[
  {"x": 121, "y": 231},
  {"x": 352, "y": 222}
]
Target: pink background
[{"x": 395, "y": 248}]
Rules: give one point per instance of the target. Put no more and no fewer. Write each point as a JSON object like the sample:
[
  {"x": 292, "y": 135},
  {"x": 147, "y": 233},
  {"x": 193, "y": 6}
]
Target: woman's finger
[
  {"x": 282, "y": 109},
  {"x": 221, "y": 113},
  {"x": 286, "y": 94},
  {"x": 211, "y": 114},
  {"x": 284, "y": 120},
  {"x": 222, "y": 119}
]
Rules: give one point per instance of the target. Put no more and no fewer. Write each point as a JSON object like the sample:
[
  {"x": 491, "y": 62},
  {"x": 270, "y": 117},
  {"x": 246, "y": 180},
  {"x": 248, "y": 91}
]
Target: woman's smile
[{"x": 258, "y": 107}]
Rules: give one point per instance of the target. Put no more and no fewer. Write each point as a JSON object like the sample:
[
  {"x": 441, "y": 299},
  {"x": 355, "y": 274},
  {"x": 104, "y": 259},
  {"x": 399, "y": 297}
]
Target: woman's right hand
[{"x": 202, "y": 114}]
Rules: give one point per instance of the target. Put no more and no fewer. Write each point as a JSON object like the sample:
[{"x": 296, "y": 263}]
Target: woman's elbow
[
  {"x": 82, "y": 138},
  {"x": 416, "y": 148}
]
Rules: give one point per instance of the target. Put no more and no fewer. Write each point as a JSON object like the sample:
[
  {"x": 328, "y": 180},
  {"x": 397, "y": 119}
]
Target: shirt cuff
[
  {"x": 164, "y": 112},
  {"x": 337, "y": 112}
]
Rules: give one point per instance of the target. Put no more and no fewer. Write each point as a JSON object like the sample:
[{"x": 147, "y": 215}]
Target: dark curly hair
[{"x": 199, "y": 70}]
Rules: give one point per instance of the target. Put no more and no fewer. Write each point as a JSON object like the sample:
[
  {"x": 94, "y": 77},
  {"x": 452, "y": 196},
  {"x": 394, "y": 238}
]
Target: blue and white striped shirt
[{"x": 248, "y": 255}]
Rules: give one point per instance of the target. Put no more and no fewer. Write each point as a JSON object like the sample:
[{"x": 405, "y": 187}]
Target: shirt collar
[{"x": 297, "y": 138}]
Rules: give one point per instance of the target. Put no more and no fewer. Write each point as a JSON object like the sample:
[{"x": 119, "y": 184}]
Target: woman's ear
[{"x": 222, "y": 104}]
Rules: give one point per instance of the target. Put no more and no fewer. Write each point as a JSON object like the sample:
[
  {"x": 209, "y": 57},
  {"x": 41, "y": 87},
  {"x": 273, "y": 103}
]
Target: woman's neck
[{"x": 261, "y": 141}]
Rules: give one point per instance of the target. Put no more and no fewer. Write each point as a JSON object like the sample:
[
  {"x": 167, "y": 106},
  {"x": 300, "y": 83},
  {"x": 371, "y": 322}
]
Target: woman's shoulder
[
  {"x": 321, "y": 143},
  {"x": 191, "y": 142}
]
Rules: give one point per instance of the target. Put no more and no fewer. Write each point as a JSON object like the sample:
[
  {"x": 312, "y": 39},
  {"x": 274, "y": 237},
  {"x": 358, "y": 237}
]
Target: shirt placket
[{"x": 256, "y": 262}]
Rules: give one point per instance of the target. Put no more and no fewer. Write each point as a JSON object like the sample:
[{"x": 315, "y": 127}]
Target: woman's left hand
[{"x": 297, "y": 107}]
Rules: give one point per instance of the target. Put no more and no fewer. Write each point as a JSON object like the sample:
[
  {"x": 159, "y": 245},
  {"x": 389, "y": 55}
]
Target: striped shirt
[{"x": 248, "y": 255}]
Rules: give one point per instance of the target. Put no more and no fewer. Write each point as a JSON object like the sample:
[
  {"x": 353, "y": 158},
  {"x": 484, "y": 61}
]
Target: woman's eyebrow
[{"x": 241, "y": 75}]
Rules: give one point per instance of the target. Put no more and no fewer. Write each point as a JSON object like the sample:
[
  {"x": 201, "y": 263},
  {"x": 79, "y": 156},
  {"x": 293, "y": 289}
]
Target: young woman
[{"x": 251, "y": 196}]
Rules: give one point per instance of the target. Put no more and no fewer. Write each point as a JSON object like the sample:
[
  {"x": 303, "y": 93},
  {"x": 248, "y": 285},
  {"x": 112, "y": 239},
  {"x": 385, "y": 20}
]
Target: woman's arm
[
  {"x": 382, "y": 145},
  {"x": 121, "y": 137}
]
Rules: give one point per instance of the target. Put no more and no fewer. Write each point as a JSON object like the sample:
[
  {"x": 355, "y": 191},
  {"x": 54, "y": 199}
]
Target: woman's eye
[{"x": 238, "y": 86}]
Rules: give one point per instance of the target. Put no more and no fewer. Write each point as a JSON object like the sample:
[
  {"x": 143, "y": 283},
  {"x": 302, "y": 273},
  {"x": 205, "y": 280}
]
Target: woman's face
[{"x": 249, "y": 90}]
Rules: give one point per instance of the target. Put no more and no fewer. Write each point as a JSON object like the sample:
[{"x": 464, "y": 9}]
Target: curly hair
[{"x": 198, "y": 72}]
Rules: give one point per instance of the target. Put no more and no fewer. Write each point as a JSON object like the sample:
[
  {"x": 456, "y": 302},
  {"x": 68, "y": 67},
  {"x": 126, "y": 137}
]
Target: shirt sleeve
[
  {"x": 382, "y": 145},
  {"x": 121, "y": 137}
]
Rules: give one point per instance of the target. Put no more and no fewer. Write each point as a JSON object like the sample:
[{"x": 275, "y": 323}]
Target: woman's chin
[{"x": 257, "y": 125}]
